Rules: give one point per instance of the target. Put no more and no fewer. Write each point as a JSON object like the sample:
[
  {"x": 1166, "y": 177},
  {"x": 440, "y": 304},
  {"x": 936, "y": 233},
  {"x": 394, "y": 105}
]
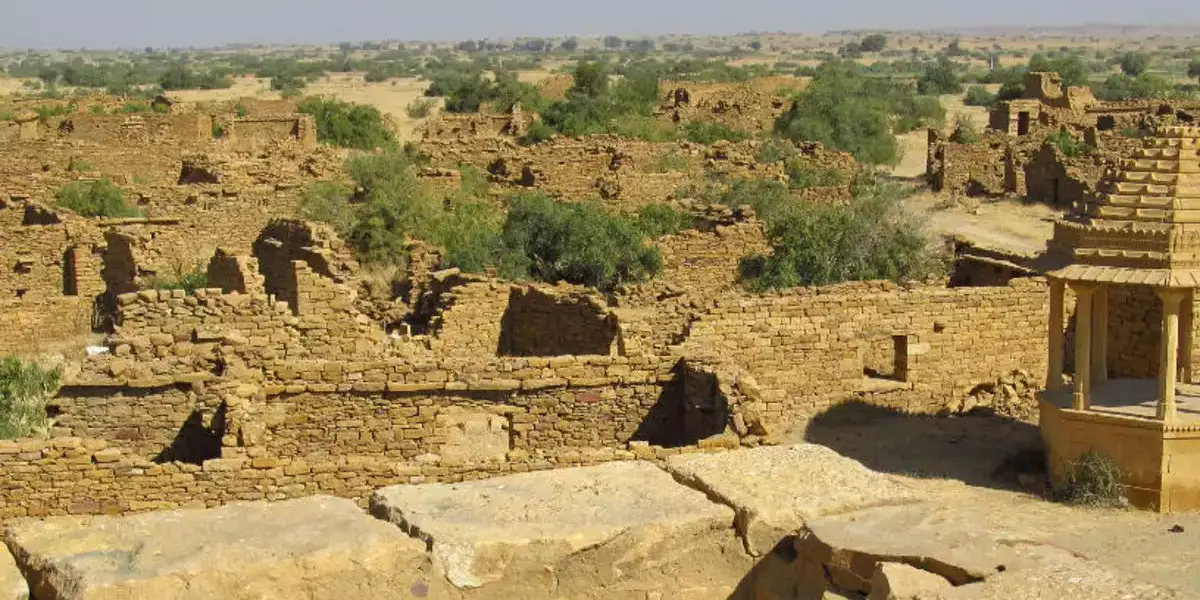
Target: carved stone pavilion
[{"x": 1130, "y": 256}]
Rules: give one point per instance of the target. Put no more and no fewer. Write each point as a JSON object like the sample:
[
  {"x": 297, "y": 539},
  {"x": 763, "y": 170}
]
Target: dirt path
[{"x": 1007, "y": 224}]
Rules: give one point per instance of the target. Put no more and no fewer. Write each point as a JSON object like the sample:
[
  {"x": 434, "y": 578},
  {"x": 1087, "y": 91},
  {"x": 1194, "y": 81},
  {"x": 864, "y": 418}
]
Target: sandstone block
[
  {"x": 898, "y": 581},
  {"x": 313, "y": 548},
  {"x": 590, "y": 532},
  {"x": 12, "y": 584},
  {"x": 775, "y": 490}
]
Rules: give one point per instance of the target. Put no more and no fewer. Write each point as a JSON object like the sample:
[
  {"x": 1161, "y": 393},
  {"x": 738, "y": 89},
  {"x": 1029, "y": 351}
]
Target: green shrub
[
  {"x": 775, "y": 150},
  {"x": 802, "y": 174},
  {"x": 578, "y": 242},
  {"x": 348, "y": 125},
  {"x": 473, "y": 182},
  {"x": 96, "y": 109},
  {"x": 1124, "y": 87},
  {"x": 287, "y": 82},
  {"x": 24, "y": 388},
  {"x": 328, "y": 202},
  {"x": 965, "y": 131},
  {"x": 705, "y": 132},
  {"x": 1092, "y": 480},
  {"x": 180, "y": 278},
  {"x": 395, "y": 204},
  {"x": 7, "y": 116},
  {"x": 642, "y": 127},
  {"x": 536, "y": 133},
  {"x": 218, "y": 130},
  {"x": 240, "y": 109},
  {"x": 54, "y": 110},
  {"x": 978, "y": 95},
  {"x": 134, "y": 107},
  {"x": 98, "y": 198},
  {"x": 657, "y": 220},
  {"x": 420, "y": 108},
  {"x": 869, "y": 238},
  {"x": 1066, "y": 143}
]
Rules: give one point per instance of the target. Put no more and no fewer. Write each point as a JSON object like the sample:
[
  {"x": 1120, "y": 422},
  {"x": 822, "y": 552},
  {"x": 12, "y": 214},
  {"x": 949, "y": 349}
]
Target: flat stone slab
[
  {"x": 775, "y": 490},
  {"x": 1050, "y": 573},
  {"x": 12, "y": 584},
  {"x": 316, "y": 548},
  {"x": 613, "y": 530}
]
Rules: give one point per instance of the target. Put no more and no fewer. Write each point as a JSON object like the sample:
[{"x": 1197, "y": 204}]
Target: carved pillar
[
  {"x": 1081, "y": 399},
  {"x": 1168, "y": 367},
  {"x": 1187, "y": 321},
  {"x": 1099, "y": 335},
  {"x": 1054, "y": 367}
]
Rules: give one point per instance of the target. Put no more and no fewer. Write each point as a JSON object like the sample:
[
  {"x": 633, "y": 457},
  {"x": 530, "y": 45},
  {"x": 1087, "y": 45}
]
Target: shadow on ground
[{"x": 981, "y": 448}]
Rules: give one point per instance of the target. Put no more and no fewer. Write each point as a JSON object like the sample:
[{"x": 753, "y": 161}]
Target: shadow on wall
[
  {"x": 539, "y": 324},
  {"x": 977, "y": 448},
  {"x": 689, "y": 409},
  {"x": 196, "y": 441}
]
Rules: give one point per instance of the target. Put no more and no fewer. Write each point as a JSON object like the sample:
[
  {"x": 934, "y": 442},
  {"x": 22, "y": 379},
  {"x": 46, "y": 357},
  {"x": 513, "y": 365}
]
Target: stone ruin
[{"x": 1012, "y": 157}]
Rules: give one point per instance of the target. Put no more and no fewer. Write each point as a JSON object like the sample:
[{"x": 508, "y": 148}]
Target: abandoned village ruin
[{"x": 288, "y": 394}]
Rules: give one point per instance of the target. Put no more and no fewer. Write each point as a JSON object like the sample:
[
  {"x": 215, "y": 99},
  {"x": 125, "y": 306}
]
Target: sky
[{"x": 98, "y": 24}]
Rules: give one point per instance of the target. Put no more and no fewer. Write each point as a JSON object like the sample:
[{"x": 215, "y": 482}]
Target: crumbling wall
[
  {"x": 131, "y": 129},
  {"x": 810, "y": 349},
  {"x": 976, "y": 169},
  {"x": 252, "y": 132},
  {"x": 539, "y": 322}
]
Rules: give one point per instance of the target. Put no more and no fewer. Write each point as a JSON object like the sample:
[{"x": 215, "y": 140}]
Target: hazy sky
[{"x": 176, "y": 23}]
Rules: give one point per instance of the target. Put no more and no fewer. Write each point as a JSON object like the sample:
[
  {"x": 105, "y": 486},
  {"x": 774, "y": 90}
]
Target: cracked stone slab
[
  {"x": 12, "y": 583},
  {"x": 1044, "y": 572},
  {"x": 316, "y": 548},
  {"x": 623, "y": 529},
  {"x": 775, "y": 490}
]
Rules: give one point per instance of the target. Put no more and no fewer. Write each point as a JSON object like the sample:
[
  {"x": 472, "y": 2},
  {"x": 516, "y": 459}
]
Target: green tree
[
  {"x": 348, "y": 125},
  {"x": 570, "y": 44},
  {"x": 1134, "y": 64},
  {"x": 1070, "y": 67},
  {"x": 591, "y": 79},
  {"x": 579, "y": 243},
  {"x": 940, "y": 78},
  {"x": 875, "y": 42},
  {"x": 1193, "y": 69}
]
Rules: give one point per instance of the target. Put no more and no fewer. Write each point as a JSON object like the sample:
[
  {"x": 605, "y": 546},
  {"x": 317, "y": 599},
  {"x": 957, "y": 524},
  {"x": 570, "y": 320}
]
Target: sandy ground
[
  {"x": 951, "y": 461},
  {"x": 1006, "y": 224}
]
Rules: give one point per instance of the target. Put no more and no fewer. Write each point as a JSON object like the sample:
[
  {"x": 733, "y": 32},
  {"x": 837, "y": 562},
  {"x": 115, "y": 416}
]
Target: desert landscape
[{"x": 873, "y": 315}]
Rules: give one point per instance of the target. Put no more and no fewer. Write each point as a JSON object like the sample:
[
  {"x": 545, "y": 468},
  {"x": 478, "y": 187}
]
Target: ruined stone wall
[
  {"x": 250, "y": 132},
  {"x": 44, "y": 324},
  {"x": 809, "y": 349},
  {"x": 974, "y": 169},
  {"x": 706, "y": 260},
  {"x": 45, "y": 254},
  {"x": 537, "y": 323},
  {"x": 157, "y": 423},
  {"x": 132, "y": 129},
  {"x": 1134, "y": 331}
]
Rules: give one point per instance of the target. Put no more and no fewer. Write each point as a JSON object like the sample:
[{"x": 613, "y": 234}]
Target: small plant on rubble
[
  {"x": 1093, "y": 480},
  {"x": 24, "y": 388},
  {"x": 98, "y": 198},
  {"x": 181, "y": 277},
  {"x": 420, "y": 108},
  {"x": 1065, "y": 142}
]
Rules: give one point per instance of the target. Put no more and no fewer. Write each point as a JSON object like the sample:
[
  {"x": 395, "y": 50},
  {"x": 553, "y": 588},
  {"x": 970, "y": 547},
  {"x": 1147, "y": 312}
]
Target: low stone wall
[{"x": 76, "y": 476}]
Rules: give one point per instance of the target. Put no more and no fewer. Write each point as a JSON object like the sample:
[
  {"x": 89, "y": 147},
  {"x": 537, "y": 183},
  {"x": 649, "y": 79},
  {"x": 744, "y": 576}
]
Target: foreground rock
[
  {"x": 12, "y": 584},
  {"x": 775, "y": 490},
  {"x": 618, "y": 530},
  {"x": 1048, "y": 573},
  {"x": 313, "y": 548}
]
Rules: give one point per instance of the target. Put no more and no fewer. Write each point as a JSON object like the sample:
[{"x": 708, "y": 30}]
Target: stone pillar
[
  {"x": 1054, "y": 368},
  {"x": 1099, "y": 368},
  {"x": 1187, "y": 323},
  {"x": 1168, "y": 366},
  {"x": 1081, "y": 399}
]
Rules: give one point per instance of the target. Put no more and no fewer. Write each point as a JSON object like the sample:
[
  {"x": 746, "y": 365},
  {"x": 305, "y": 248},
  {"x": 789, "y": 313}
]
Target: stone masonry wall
[
  {"x": 42, "y": 324},
  {"x": 810, "y": 349}
]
